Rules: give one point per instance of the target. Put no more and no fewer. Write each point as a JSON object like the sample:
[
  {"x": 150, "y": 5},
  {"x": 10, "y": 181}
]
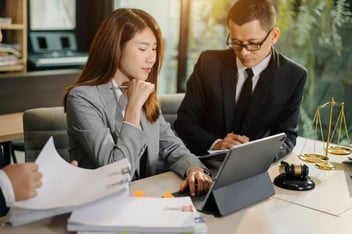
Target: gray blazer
[{"x": 98, "y": 135}]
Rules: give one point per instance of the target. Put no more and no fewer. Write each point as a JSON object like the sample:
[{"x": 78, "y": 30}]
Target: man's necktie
[{"x": 243, "y": 101}]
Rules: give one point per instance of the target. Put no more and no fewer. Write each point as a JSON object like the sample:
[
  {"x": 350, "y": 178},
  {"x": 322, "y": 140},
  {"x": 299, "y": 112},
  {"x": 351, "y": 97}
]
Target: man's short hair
[{"x": 244, "y": 11}]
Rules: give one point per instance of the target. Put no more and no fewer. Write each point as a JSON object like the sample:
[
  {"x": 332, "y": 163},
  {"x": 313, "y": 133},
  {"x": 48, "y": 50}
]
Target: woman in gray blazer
[{"x": 113, "y": 111}]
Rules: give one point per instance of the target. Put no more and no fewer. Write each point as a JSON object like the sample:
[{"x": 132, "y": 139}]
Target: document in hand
[
  {"x": 66, "y": 187},
  {"x": 137, "y": 215}
]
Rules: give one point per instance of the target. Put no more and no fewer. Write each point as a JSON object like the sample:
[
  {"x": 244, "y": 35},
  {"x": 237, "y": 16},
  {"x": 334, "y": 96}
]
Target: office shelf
[{"x": 15, "y": 32}]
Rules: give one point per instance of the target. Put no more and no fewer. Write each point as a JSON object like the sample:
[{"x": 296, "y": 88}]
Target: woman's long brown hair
[{"x": 106, "y": 48}]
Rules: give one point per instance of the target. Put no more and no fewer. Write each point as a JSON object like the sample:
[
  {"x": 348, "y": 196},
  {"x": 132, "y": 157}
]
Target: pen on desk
[{"x": 184, "y": 208}]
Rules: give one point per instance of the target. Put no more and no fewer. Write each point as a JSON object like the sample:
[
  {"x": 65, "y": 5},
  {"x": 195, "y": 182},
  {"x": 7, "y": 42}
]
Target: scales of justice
[{"x": 322, "y": 161}]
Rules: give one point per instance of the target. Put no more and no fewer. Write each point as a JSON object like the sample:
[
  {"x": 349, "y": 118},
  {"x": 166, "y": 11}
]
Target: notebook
[{"x": 242, "y": 178}]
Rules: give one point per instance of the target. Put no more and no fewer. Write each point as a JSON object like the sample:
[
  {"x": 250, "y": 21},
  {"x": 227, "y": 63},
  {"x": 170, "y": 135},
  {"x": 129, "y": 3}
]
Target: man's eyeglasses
[{"x": 250, "y": 46}]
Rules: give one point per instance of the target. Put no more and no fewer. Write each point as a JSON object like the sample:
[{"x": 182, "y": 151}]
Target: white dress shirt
[
  {"x": 7, "y": 189},
  {"x": 241, "y": 77},
  {"x": 122, "y": 101}
]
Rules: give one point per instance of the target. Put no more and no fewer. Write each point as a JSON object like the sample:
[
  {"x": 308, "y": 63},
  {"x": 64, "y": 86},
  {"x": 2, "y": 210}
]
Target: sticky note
[
  {"x": 138, "y": 193},
  {"x": 168, "y": 195}
]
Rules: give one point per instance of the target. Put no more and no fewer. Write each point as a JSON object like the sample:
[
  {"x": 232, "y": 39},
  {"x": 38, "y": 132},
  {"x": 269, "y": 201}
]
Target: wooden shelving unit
[{"x": 16, "y": 31}]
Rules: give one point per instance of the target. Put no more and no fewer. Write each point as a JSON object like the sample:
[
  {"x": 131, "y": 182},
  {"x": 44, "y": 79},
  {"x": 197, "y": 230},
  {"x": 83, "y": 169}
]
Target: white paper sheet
[
  {"x": 65, "y": 185},
  {"x": 131, "y": 214}
]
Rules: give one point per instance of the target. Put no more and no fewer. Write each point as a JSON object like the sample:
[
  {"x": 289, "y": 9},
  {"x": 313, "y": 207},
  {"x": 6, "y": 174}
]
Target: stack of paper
[
  {"x": 66, "y": 187},
  {"x": 138, "y": 215}
]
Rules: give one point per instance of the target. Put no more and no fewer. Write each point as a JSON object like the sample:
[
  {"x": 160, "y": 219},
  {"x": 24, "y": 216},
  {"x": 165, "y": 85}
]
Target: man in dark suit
[{"x": 214, "y": 115}]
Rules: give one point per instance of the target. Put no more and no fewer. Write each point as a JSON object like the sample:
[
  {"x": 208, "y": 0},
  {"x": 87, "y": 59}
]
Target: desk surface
[
  {"x": 281, "y": 213},
  {"x": 11, "y": 127},
  {"x": 333, "y": 191}
]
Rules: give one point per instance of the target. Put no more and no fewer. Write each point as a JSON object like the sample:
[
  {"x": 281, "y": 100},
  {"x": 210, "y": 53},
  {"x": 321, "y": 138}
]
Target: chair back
[
  {"x": 169, "y": 104},
  {"x": 39, "y": 124}
]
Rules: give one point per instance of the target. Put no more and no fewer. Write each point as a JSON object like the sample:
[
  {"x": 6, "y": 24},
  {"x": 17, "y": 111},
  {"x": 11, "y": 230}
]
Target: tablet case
[{"x": 243, "y": 179}]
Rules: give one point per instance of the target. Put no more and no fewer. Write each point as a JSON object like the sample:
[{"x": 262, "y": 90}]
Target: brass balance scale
[{"x": 322, "y": 161}]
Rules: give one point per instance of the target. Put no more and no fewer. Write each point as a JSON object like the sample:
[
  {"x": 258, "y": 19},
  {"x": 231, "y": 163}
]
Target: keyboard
[{"x": 58, "y": 59}]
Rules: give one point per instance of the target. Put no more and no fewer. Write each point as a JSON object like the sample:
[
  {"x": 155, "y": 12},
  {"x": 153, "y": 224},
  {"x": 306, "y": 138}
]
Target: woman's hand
[
  {"x": 137, "y": 94},
  {"x": 197, "y": 181}
]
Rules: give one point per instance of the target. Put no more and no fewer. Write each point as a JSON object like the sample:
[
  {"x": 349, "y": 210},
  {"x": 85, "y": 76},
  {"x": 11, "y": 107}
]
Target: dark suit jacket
[
  {"x": 208, "y": 109},
  {"x": 3, "y": 207}
]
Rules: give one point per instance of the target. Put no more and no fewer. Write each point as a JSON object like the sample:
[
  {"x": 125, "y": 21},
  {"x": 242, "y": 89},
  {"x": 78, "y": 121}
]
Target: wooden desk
[
  {"x": 271, "y": 216},
  {"x": 276, "y": 215},
  {"x": 11, "y": 128}
]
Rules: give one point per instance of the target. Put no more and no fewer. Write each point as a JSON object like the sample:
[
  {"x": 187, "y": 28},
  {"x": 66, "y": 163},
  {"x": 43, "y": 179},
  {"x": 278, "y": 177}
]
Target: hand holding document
[{"x": 66, "y": 187}]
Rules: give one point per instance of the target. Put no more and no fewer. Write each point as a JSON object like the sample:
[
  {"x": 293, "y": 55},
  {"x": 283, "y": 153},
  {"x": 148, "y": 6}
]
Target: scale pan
[
  {"x": 339, "y": 150},
  {"x": 313, "y": 158}
]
